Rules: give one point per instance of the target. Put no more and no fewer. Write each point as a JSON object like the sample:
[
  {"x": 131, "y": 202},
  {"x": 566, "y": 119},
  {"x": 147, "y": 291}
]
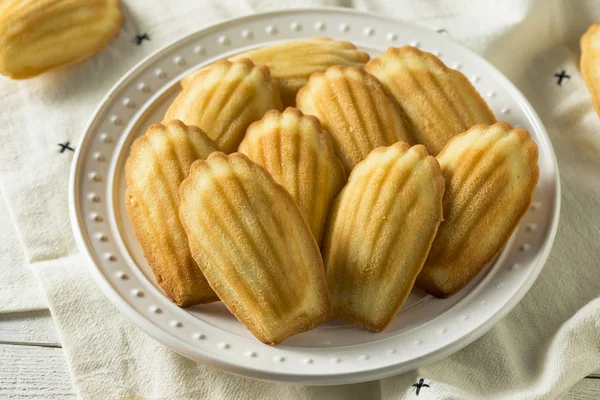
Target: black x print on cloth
[
  {"x": 140, "y": 38},
  {"x": 65, "y": 146},
  {"x": 562, "y": 75},
  {"x": 419, "y": 385}
]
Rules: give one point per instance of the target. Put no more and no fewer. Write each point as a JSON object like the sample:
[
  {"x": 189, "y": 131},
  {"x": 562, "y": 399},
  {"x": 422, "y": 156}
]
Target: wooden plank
[
  {"x": 34, "y": 328},
  {"x": 32, "y": 372},
  {"x": 33, "y": 366},
  {"x": 587, "y": 389}
]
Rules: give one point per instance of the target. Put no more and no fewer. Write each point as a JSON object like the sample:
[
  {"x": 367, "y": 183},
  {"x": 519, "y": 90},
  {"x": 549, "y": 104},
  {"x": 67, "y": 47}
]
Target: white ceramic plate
[{"x": 426, "y": 329}]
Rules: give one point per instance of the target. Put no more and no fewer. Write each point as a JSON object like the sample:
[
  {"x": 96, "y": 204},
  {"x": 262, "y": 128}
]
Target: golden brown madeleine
[
  {"x": 159, "y": 161},
  {"x": 39, "y": 35},
  {"x": 590, "y": 63},
  {"x": 354, "y": 107},
  {"x": 491, "y": 173},
  {"x": 439, "y": 102},
  {"x": 186, "y": 80},
  {"x": 379, "y": 232},
  {"x": 292, "y": 63},
  {"x": 255, "y": 248},
  {"x": 299, "y": 154},
  {"x": 225, "y": 99}
]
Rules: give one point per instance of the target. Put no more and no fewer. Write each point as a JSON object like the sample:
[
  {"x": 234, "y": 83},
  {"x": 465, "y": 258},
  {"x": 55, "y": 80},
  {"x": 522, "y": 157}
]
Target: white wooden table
[{"x": 33, "y": 366}]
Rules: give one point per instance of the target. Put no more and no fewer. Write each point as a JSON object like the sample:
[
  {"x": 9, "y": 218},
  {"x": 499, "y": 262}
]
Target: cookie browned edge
[
  {"x": 523, "y": 206},
  {"x": 118, "y": 24},
  {"x": 324, "y": 291},
  {"x": 589, "y": 61},
  {"x": 361, "y": 56},
  {"x": 371, "y": 81},
  {"x": 263, "y": 69},
  {"x": 142, "y": 239},
  {"x": 426, "y": 158},
  {"x": 399, "y": 51}
]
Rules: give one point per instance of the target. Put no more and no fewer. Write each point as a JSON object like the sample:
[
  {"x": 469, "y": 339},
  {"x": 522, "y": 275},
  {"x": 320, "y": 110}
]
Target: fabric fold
[{"x": 546, "y": 344}]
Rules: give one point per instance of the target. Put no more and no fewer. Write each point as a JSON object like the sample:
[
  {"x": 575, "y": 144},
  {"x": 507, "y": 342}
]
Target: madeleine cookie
[
  {"x": 299, "y": 155},
  {"x": 255, "y": 248},
  {"x": 158, "y": 162},
  {"x": 590, "y": 63},
  {"x": 439, "y": 102},
  {"x": 40, "y": 35},
  {"x": 355, "y": 109},
  {"x": 379, "y": 232},
  {"x": 292, "y": 63},
  {"x": 224, "y": 99},
  {"x": 491, "y": 173}
]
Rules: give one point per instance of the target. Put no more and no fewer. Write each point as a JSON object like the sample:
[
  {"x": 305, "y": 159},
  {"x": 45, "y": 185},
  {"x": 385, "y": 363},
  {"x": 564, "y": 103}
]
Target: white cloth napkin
[
  {"x": 546, "y": 344},
  {"x": 19, "y": 290}
]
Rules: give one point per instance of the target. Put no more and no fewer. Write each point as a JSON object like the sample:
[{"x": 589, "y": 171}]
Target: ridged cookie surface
[
  {"x": 299, "y": 154},
  {"x": 590, "y": 63},
  {"x": 224, "y": 99},
  {"x": 491, "y": 173},
  {"x": 39, "y": 35},
  {"x": 355, "y": 109},
  {"x": 292, "y": 63},
  {"x": 159, "y": 161},
  {"x": 439, "y": 102},
  {"x": 379, "y": 232},
  {"x": 255, "y": 248}
]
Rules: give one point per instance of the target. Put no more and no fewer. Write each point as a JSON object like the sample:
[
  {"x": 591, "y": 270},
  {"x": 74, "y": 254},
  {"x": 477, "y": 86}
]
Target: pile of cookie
[{"x": 379, "y": 175}]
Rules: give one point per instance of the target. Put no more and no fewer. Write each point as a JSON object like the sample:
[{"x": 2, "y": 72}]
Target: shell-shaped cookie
[
  {"x": 299, "y": 154},
  {"x": 379, "y": 232},
  {"x": 292, "y": 63},
  {"x": 439, "y": 102},
  {"x": 158, "y": 163},
  {"x": 225, "y": 99},
  {"x": 255, "y": 248},
  {"x": 590, "y": 63},
  {"x": 39, "y": 35},
  {"x": 491, "y": 172},
  {"x": 355, "y": 109}
]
